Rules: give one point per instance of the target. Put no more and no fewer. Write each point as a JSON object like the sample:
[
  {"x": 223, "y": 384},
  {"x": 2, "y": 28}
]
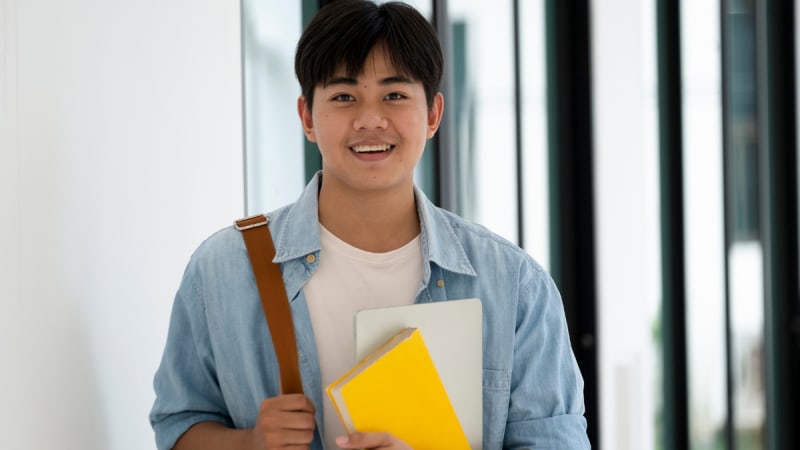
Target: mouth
[{"x": 376, "y": 148}]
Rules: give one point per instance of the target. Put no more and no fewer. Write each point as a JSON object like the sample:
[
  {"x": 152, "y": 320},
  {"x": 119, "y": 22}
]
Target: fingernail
[{"x": 342, "y": 440}]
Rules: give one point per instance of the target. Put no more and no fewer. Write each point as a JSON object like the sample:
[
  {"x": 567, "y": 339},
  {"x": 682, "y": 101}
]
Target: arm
[
  {"x": 214, "y": 435},
  {"x": 546, "y": 405},
  {"x": 191, "y": 411}
]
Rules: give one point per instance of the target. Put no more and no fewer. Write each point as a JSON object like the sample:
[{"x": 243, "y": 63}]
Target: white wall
[{"x": 120, "y": 150}]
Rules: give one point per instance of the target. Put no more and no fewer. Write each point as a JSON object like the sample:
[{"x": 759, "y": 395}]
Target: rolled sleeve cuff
[
  {"x": 564, "y": 432},
  {"x": 170, "y": 428}
]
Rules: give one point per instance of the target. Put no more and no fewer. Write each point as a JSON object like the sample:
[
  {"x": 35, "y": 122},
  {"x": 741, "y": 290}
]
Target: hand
[
  {"x": 371, "y": 440},
  {"x": 285, "y": 422}
]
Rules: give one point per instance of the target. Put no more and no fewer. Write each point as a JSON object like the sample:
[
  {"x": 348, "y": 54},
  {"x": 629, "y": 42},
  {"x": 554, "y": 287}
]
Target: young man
[{"x": 361, "y": 236}]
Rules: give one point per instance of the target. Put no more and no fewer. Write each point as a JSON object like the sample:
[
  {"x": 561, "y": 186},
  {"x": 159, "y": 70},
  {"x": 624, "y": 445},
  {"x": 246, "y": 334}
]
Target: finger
[
  {"x": 284, "y": 420},
  {"x": 289, "y": 402},
  {"x": 370, "y": 441},
  {"x": 284, "y": 438}
]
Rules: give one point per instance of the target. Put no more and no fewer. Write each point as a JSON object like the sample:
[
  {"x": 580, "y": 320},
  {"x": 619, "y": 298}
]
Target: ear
[
  {"x": 305, "y": 118},
  {"x": 435, "y": 114}
]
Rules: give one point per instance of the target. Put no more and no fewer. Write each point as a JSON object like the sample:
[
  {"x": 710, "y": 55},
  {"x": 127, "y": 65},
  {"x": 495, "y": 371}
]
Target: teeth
[{"x": 371, "y": 148}]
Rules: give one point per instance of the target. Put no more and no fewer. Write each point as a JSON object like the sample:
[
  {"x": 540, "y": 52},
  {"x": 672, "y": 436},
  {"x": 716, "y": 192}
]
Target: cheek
[
  {"x": 415, "y": 122},
  {"x": 322, "y": 125}
]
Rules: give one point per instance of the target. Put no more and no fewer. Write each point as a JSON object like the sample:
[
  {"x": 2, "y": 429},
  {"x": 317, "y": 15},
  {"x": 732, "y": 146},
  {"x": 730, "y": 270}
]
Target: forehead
[{"x": 378, "y": 62}]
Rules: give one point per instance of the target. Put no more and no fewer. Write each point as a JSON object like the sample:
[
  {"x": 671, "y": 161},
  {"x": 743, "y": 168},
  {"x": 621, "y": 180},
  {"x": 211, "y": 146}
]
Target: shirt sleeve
[
  {"x": 185, "y": 384},
  {"x": 546, "y": 408}
]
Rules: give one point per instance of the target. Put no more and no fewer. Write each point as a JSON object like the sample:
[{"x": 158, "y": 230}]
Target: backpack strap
[{"x": 257, "y": 239}]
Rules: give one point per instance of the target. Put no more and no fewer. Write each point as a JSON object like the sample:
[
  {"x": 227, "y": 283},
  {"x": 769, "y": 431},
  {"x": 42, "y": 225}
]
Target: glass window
[
  {"x": 533, "y": 91},
  {"x": 484, "y": 115},
  {"x": 274, "y": 170},
  {"x": 626, "y": 155},
  {"x": 704, "y": 226},
  {"x": 745, "y": 259}
]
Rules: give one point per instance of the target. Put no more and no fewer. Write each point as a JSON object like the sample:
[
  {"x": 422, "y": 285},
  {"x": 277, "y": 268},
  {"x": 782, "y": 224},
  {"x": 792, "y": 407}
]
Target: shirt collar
[
  {"x": 297, "y": 226},
  {"x": 296, "y": 231},
  {"x": 440, "y": 244}
]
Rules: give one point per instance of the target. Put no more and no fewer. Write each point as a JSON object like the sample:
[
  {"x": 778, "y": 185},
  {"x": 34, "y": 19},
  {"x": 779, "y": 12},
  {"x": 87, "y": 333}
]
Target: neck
[{"x": 375, "y": 222}]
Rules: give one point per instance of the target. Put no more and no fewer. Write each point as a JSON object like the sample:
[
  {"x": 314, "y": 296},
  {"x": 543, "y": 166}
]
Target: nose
[{"x": 370, "y": 117}]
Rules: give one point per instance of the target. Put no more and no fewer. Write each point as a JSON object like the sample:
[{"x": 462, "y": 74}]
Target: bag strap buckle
[{"x": 259, "y": 220}]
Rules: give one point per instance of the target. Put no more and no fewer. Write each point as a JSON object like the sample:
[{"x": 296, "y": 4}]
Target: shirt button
[
  {"x": 311, "y": 258},
  {"x": 440, "y": 283}
]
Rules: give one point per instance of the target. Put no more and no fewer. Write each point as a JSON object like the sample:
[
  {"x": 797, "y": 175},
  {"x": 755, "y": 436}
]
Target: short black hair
[{"x": 344, "y": 32}]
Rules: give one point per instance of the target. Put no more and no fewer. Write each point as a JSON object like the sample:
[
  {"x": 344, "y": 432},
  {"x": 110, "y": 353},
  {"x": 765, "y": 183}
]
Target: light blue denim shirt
[{"x": 219, "y": 363}]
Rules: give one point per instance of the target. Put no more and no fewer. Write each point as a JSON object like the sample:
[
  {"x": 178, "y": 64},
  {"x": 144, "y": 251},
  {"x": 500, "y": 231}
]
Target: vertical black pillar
[
  {"x": 520, "y": 173},
  {"x": 569, "y": 102},
  {"x": 312, "y": 158},
  {"x": 777, "y": 103},
  {"x": 444, "y": 140},
  {"x": 730, "y": 97},
  {"x": 676, "y": 412}
]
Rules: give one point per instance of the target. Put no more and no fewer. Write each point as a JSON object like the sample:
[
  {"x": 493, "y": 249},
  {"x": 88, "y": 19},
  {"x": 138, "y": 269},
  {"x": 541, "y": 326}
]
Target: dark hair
[{"x": 343, "y": 33}]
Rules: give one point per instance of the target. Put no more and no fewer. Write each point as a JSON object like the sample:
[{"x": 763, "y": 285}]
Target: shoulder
[
  {"x": 225, "y": 248},
  {"x": 221, "y": 245},
  {"x": 481, "y": 243}
]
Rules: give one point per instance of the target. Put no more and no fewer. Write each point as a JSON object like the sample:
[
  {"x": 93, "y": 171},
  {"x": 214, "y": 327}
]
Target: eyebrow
[{"x": 383, "y": 81}]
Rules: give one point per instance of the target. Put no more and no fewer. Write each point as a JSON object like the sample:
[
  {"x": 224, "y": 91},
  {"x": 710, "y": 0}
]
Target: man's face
[{"x": 372, "y": 129}]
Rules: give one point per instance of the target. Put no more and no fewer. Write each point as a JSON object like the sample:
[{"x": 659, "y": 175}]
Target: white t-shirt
[{"x": 346, "y": 281}]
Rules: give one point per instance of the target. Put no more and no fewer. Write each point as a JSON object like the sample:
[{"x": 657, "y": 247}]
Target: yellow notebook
[{"x": 397, "y": 390}]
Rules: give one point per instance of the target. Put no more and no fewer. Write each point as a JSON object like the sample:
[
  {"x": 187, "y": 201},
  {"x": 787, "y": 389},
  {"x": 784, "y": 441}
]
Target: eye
[
  {"x": 343, "y": 98},
  {"x": 395, "y": 96}
]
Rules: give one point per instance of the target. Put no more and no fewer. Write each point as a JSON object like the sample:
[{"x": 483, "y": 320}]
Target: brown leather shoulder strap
[{"x": 261, "y": 249}]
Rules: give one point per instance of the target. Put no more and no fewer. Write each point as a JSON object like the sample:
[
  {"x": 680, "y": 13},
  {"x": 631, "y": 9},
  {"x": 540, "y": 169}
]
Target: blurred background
[{"x": 643, "y": 151}]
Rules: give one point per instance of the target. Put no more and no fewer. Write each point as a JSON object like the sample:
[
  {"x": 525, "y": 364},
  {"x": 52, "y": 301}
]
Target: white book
[{"x": 453, "y": 332}]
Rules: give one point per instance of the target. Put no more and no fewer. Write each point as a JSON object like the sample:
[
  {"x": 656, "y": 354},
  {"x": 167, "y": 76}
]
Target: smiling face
[{"x": 371, "y": 129}]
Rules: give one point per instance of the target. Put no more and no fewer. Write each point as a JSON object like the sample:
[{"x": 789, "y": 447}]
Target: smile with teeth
[{"x": 376, "y": 148}]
